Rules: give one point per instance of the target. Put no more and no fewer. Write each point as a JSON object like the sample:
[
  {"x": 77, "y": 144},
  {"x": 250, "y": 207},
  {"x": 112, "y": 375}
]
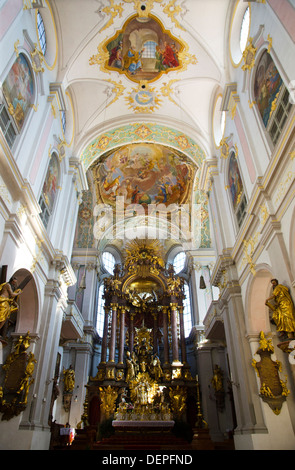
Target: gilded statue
[
  {"x": 156, "y": 368},
  {"x": 282, "y": 307},
  {"x": 217, "y": 379},
  {"x": 8, "y": 294},
  {"x": 178, "y": 398},
  {"x": 69, "y": 379},
  {"x": 27, "y": 380},
  {"x": 132, "y": 366}
]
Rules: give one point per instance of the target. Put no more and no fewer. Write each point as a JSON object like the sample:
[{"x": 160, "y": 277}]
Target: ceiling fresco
[
  {"x": 142, "y": 75},
  {"x": 143, "y": 173},
  {"x": 143, "y": 50},
  {"x": 137, "y": 132},
  {"x": 181, "y": 57}
]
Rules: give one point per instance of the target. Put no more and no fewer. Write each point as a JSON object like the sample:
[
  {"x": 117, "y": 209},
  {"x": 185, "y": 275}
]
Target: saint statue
[
  {"x": 69, "y": 379},
  {"x": 282, "y": 308},
  {"x": 132, "y": 366},
  {"x": 8, "y": 294}
]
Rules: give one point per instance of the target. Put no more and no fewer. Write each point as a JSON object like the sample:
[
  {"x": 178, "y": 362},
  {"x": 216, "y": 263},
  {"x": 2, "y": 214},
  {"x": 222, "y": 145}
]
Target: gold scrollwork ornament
[
  {"x": 19, "y": 368},
  {"x": 273, "y": 390}
]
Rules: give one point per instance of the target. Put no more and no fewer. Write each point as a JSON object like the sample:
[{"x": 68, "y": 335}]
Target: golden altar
[{"x": 143, "y": 379}]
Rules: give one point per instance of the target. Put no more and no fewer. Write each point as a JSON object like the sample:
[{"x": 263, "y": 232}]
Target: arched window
[
  {"x": 108, "y": 262},
  {"x": 18, "y": 93},
  {"x": 49, "y": 190},
  {"x": 63, "y": 121},
  {"x": 187, "y": 315},
  {"x": 236, "y": 188},
  {"x": 271, "y": 96},
  {"x": 100, "y": 311},
  {"x": 244, "y": 31},
  {"x": 41, "y": 33},
  {"x": 179, "y": 262}
]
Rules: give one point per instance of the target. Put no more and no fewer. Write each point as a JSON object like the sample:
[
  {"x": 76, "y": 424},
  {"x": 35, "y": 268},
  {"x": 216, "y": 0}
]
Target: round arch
[
  {"x": 257, "y": 316},
  {"x": 139, "y": 133},
  {"x": 27, "y": 315}
]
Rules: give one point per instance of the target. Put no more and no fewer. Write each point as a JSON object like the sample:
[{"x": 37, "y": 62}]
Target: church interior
[{"x": 147, "y": 225}]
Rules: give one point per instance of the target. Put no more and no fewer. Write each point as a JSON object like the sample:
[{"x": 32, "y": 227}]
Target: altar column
[
  {"x": 182, "y": 336},
  {"x": 113, "y": 333},
  {"x": 131, "y": 331},
  {"x": 173, "y": 307},
  {"x": 165, "y": 334},
  {"x": 104, "y": 343},
  {"x": 122, "y": 336}
]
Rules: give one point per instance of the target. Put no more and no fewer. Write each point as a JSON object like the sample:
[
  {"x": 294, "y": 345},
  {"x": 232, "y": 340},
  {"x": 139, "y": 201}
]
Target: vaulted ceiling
[
  {"x": 168, "y": 101},
  {"x": 106, "y": 98}
]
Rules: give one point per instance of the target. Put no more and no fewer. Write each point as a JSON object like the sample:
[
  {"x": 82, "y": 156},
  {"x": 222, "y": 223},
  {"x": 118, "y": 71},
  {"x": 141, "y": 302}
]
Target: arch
[
  {"x": 141, "y": 132},
  {"x": 27, "y": 315},
  {"x": 257, "y": 318},
  {"x": 51, "y": 53},
  {"x": 235, "y": 52}
]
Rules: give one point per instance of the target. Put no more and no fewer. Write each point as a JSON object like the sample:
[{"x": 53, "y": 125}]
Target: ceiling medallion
[{"x": 143, "y": 99}]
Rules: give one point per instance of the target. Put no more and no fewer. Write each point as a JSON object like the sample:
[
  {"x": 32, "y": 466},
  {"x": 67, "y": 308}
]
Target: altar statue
[
  {"x": 8, "y": 294},
  {"x": 156, "y": 368},
  {"x": 283, "y": 309},
  {"x": 132, "y": 366}
]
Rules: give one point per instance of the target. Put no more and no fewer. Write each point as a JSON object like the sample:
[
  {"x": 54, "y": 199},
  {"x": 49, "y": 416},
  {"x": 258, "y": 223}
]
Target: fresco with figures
[
  {"x": 143, "y": 50},
  {"x": 266, "y": 86},
  {"x": 143, "y": 174}
]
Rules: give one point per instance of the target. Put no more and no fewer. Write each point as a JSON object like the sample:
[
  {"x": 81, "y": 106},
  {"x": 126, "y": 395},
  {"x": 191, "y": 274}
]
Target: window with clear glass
[
  {"x": 41, "y": 33},
  {"x": 179, "y": 262},
  {"x": 7, "y": 126},
  {"x": 100, "y": 312},
  {"x": 108, "y": 262},
  {"x": 63, "y": 120},
  {"x": 187, "y": 316},
  {"x": 244, "y": 32}
]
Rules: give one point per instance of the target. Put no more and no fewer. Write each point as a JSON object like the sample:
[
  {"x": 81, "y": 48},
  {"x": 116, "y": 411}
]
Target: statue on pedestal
[{"x": 283, "y": 309}]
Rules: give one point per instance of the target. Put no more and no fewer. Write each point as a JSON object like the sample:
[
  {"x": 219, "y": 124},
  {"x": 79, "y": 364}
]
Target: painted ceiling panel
[{"x": 190, "y": 36}]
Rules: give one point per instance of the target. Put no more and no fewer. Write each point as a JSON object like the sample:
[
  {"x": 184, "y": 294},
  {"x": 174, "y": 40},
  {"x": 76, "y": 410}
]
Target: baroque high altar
[{"x": 143, "y": 374}]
